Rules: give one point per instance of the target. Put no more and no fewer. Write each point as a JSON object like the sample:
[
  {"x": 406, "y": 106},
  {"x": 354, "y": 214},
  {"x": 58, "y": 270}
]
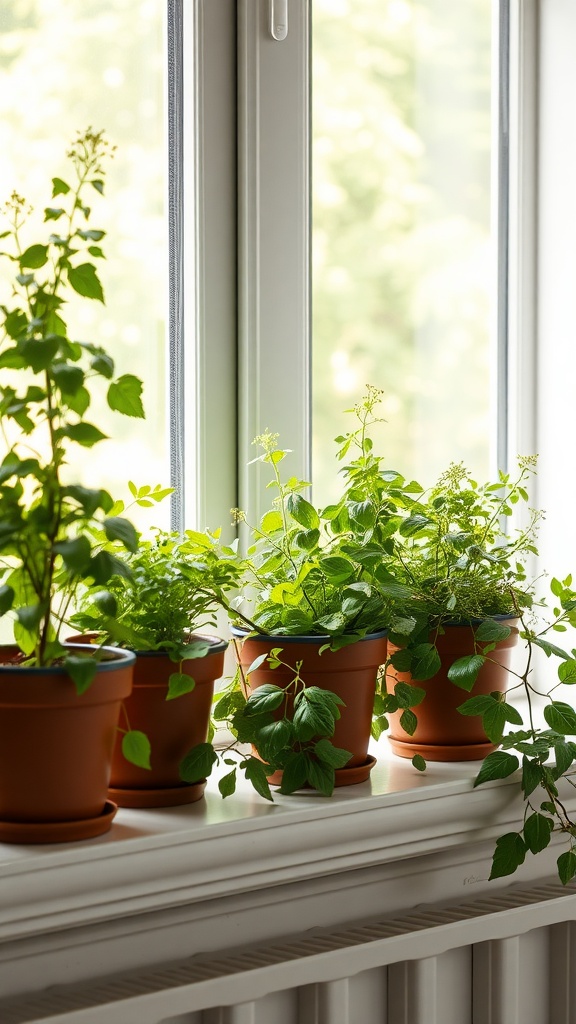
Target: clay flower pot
[
  {"x": 56, "y": 749},
  {"x": 350, "y": 673},
  {"x": 442, "y": 733},
  {"x": 172, "y": 726}
]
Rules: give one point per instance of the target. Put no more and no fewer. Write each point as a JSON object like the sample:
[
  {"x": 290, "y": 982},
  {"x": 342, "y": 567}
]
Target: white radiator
[{"x": 507, "y": 958}]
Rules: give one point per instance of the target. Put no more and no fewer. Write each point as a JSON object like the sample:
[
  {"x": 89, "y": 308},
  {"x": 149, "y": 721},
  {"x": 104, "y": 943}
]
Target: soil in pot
[
  {"x": 442, "y": 733},
  {"x": 56, "y": 749},
  {"x": 350, "y": 673}
]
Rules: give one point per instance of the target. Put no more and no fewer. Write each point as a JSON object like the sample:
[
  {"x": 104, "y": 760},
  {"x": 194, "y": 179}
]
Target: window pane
[
  {"x": 403, "y": 258},
  {"x": 65, "y": 66}
]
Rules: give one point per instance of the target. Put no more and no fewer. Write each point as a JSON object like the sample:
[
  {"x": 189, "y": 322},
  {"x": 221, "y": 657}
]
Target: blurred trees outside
[
  {"x": 403, "y": 261},
  {"x": 64, "y": 66}
]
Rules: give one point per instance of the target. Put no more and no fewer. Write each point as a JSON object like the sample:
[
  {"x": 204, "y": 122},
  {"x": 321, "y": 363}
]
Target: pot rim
[
  {"x": 305, "y": 638},
  {"x": 122, "y": 656},
  {"x": 217, "y": 645}
]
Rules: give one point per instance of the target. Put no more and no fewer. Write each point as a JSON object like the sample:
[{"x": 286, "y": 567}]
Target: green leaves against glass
[
  {"x": 124, "y": 395},
  {"x": 55, "y": 525},
  {"x": 561, "y": 717}
]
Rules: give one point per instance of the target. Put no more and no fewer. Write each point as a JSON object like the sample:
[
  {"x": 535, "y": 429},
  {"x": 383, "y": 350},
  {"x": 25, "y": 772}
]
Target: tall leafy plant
[{"x": 48, "y": 380}]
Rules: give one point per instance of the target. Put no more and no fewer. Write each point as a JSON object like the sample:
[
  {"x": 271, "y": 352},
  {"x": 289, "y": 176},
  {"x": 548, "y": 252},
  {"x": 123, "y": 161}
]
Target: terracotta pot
[
  {"x": 350, "y": 673},
  {"x": 442, "y": 733},
  {"x": 56, "y": 749},
  {"x": 172, "y": 726}
]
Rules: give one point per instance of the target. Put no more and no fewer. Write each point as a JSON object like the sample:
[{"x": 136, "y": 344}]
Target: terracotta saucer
[
  {"x": 344, "y": 776},
  {"x": 58, "y": 831},
  {"x": 440, "y": 752},
  {"x": 165, "y": 797}
]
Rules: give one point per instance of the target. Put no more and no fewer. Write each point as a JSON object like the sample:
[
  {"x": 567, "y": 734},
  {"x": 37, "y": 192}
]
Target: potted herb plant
[
  {"x": 469, "y": 583},
  {"x": 317, "y": 621},
  {"x": 160, "y": 610},
  {"x": 58, "y": 706}
]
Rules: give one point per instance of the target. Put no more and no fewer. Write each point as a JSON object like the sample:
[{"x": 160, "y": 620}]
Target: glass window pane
[
  {"x": 403, "y": 256},
  {"x": 65, "y": 66}
]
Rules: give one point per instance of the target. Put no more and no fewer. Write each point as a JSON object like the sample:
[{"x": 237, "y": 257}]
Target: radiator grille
[{"x": 502, "y": 959}]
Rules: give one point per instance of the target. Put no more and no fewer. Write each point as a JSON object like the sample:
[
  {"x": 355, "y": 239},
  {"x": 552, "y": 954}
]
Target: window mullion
[{"x": 274, "y": 240}]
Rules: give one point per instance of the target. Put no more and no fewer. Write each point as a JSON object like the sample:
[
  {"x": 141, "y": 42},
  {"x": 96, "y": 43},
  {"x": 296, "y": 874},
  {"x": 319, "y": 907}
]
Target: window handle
[{"x": 279, "y": 19}]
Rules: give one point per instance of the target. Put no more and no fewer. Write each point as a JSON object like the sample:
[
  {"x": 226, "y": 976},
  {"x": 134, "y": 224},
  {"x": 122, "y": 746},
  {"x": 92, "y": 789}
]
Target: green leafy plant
[
  {"x": 46, "y": 519},
  {"x": 171, "y": 591},
  {"x": 454, "y": 558},
  {"x": 542, "y": 751},
  {"x": 305, "y": 574}
]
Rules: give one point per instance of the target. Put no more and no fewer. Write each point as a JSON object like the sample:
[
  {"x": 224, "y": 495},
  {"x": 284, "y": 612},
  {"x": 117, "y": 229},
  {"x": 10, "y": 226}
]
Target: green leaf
[
  {"x": 498, "y": 765},
  {"x": 178, "y": 684},
  {"x": 476, "y": 705},
  {"x": 567, "y": 672},
  {"x": 464, "y": 671},
  {"x": 29, "y": 616},
  {"x": 537, "y": 832},
  {"x": 295, "y": 773},
  {"x": 227, "y": 784},
  {"x": 198, "y": 763},
  {"x": 69, "y": 379},
  {"x": 564, "y": 757},
  {"x": 566, "y": 864},
  {"x": 105, "y": 602},
  {"x": 34, "y": 257},
  {"x": 419, "y": 762},
  {"x": 6, "y": 599},
  {"x": 408, "y": 696},
  {"x": 303, "y": 512},
  {"x": 104, "y": 565},
  {"x": 337, "y": 568},
  {"x": 91, "y": 235},
  {"x": 321, "y": 776},
  {"x": 413, "y": 524},
  {"x": 256, "y": 663},
  {"x": 53, "y": 212},
  {"x": 425, "y": 662},
  {"x": 79, "y": 402},
  {"x": 264, "y": 698},
  {"x": 85, "y": 434},
  {"x": 408, "y": 722},
  {"x": 84, "y": 280},
  {"x": 75, "y": 553},
  {"x": 490, "y": 631},
  {"x": 117, "y": 528},
  {"x": 104, "y": 365},
  {"x": 509, "y": 854},
  {"x": 531, "y": 775},
  {"x": 494, "y": 721},
  {"x": 136, "y": 748},
  {"x": 256, "y": 774},
  {"x": 312, "y": 718},
  {"x": 561, "y": 717},
  {"x": 326, "y": 752},
  {"x": 59, "y": 187},
  {"x": 273, "y": 738},
  {"x": 81, "y": 670},
  {"x": 124, "y": 396}
]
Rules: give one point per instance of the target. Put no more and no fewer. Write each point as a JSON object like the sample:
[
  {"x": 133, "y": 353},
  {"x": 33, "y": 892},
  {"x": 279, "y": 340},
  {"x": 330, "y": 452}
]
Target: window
[{"x": 156, "y": 77}]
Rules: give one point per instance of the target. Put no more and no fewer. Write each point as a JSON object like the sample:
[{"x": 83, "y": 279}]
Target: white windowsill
[{"x": 166, "y": 858}]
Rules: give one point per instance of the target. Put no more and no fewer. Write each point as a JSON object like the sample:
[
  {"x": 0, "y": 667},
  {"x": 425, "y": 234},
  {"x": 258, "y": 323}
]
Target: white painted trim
[
  {"x": 274, "y": 261},
  {"x": 523, "y": 228},
  {"x": 210, "y": 260}
]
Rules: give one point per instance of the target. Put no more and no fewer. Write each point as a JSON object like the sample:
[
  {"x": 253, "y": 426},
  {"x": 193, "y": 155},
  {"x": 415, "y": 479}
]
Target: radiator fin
[{"x": 429, "y": 950}]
